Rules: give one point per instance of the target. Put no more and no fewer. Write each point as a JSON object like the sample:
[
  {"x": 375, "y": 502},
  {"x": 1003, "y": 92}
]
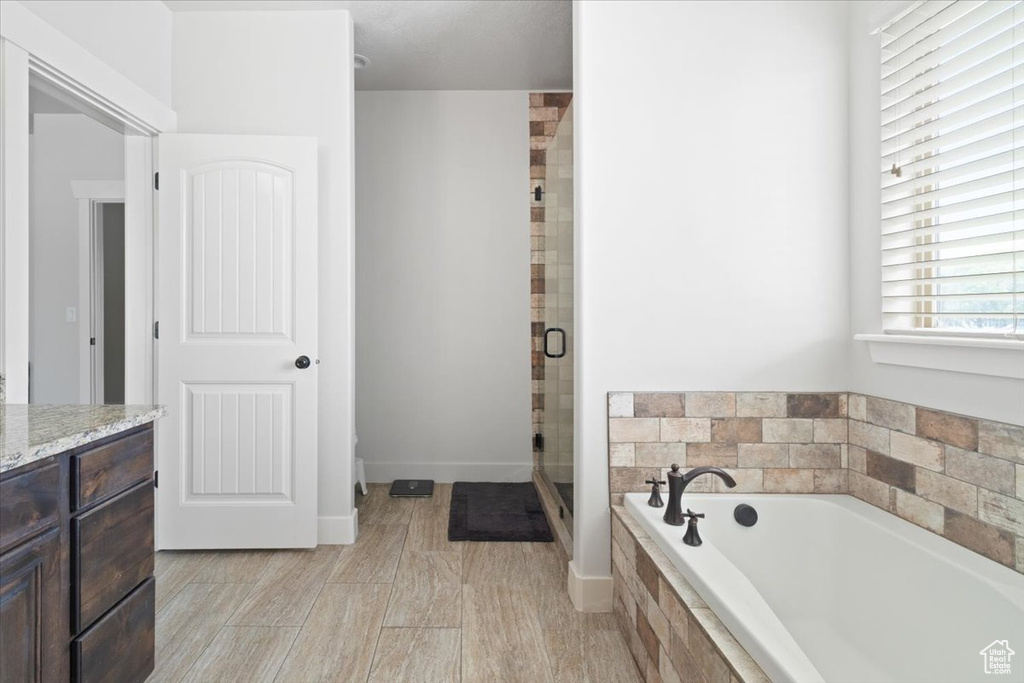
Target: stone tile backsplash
[{"x": 957, "y": 476}]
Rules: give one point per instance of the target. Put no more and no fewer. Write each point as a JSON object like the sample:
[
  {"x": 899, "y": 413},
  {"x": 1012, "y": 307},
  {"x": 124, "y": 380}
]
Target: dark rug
[{"x": 484, "y": 511}]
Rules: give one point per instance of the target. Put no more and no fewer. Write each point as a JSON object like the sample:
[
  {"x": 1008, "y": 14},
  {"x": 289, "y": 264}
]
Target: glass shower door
[{"x": 557, "y": 455}]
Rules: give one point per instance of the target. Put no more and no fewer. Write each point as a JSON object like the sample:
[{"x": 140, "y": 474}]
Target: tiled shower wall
[
  {"x": 550, "y": 167},
  {"x": 960, "y": 477}
]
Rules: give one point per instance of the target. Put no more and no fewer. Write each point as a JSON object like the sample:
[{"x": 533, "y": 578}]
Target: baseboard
[
  {"x": 338, "y": 530},
  {"x": 590, "y": 593},
  {"x": 447, "y": 472}
]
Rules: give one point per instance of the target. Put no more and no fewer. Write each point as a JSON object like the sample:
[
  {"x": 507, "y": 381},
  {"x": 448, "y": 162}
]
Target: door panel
[
  {"x": 258, "y": 465},
  {"x": 238, "y": 305},
  {"x": 240, "y": 280}
]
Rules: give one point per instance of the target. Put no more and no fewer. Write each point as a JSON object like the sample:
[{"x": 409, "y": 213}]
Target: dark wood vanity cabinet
[
  {"x": 33, "y": 633},
  {"x": 77, "y": 594}
]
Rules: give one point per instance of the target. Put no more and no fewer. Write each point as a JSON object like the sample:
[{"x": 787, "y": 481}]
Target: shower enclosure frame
[{"x": 552, "y": 331}]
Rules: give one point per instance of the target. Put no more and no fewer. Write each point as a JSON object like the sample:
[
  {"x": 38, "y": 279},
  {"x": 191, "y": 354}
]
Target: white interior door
[{"x": 237, "y": 310}]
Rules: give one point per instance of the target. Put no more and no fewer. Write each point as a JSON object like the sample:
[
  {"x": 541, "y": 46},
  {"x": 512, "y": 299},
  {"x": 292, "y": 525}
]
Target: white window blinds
[{"x": 952, "y": 168}]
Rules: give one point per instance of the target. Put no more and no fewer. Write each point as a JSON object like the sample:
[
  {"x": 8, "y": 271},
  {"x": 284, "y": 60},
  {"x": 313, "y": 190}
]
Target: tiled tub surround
[
  {"x": 825, "y": 588},
  {"x": 671, "y": 633},
  {"x": 957, "y": 476}
]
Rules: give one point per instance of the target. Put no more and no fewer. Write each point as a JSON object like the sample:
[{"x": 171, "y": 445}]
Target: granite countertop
[{"x": 32, "y": 432}]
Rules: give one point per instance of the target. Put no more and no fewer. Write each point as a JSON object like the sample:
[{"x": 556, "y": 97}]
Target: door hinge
[
  {"x": 156, "y": 330},
  {"x": 561, "y": 512},
  {"x": 156, "y": 181},
  {"x": 538, "y": 442},
  {"x": 92, "y": 341},
  {"x": 156, "y": 479}
]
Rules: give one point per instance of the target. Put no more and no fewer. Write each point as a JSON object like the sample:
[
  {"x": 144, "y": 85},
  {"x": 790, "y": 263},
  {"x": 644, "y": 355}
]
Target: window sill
[{"x": 993, "y": 357}]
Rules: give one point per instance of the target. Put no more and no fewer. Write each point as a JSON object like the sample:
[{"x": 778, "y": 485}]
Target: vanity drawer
[
  {"x": 104, "y": 471},
  {"x": 111, "y": 553},
  {"x": 31, "y": 503},
  {"x": 120, "y": 647}
]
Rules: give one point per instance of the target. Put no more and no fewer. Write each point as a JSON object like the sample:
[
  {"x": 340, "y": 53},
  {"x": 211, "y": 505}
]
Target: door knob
[{"x": 302, "y": 362}]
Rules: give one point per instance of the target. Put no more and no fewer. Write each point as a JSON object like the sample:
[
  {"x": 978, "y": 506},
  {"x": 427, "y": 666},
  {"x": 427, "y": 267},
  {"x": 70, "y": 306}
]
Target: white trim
[
  {"x": 14, "y": 218},
  {"x": 447, "y": 472},
  {"x": 107, "y": 190},
  {"x": 972, "y": 355},
  {"x": 67, "y": 65},
  {"x": 139, "y": 271},
  {"x": 85, "y": 217},
  {"x": 32, "y": 47},
  {"x": 589, "y": 593},
  {"x": 342, "y": 530},
  {"x": 96, "y": 310},
  {"x": 89, "y": 193}
]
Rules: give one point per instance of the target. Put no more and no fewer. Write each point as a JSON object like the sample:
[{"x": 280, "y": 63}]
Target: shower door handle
[{"x": 547, "y": 347}]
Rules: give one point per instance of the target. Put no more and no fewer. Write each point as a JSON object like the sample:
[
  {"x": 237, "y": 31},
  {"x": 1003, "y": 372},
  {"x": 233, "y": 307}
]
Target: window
[{"x": 952, "y": 168}]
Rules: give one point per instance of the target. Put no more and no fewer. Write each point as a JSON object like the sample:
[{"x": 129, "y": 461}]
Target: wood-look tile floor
[{"x": 402, "y": 604}]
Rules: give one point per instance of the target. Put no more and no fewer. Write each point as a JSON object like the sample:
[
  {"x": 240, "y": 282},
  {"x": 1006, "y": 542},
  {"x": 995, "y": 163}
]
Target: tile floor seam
[
  {"x": 303, "y": 624},
  {"x": 380, "y": 629},
  {"x": 223, "y": 626},
  {"x": 280, "y": 665},
  {"x": 187, "y": 582},
  {"x": 241, "y": 602},
  {"x": 391, "y": 594},
  {"x": 213, "y": 637}
]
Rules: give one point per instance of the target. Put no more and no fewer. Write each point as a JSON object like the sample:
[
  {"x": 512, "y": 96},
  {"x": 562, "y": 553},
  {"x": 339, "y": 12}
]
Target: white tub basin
[{"x": 829, "y": 588}]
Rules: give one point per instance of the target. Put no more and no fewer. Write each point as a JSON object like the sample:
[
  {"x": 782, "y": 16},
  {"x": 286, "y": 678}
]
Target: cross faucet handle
[
  {"x": 655, "y": 500},
  {"x": 692, "y": 536}
]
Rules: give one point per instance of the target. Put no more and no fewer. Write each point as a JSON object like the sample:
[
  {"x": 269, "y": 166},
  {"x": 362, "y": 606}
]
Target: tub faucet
[{"x": 677, "y": 483}]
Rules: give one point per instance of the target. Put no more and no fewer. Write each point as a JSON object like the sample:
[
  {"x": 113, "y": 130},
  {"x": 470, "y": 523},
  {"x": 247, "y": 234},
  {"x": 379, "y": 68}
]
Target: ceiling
[{"x": 445, "y": 44}]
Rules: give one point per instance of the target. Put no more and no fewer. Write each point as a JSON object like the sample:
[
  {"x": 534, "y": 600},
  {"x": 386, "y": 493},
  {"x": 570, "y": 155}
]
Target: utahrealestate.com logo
[{"x": 997, "y": 657}]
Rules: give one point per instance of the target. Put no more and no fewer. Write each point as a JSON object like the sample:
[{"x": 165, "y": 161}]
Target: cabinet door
[{"x": 32, "y": 646}]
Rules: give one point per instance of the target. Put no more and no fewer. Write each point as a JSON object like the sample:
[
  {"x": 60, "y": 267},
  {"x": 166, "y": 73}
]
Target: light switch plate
[{"x": 72, "y": 314}]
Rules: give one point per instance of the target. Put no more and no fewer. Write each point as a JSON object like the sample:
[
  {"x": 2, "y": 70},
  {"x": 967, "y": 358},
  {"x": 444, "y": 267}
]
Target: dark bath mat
[{"x": 484, "y": 511}]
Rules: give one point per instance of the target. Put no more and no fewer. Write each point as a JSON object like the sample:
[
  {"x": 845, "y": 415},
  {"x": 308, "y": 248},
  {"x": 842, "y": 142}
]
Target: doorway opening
[
  {"x": 76, "y": 255},
  {"x": 106, "y": 322}
]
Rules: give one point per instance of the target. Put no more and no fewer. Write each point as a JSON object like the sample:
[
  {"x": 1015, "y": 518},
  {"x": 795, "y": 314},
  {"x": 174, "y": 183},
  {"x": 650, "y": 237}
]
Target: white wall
[
  {"x": 290, "y": 73},
  {"x": 443, "y": 285},
  {"x": 711, "y": 211},
  {"x": 63, "y": 148},
  {"x": 132, "y": 37},
  {"x": 977, "y": 395}
]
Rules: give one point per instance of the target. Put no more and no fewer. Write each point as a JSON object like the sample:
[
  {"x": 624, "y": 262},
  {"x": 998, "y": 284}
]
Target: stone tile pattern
[
  {"x": 670, "y": 631},
  {"x": 957, "y": 476},
  {"x": 546, "y": 111},
  {"x": 770, "y": 442}
]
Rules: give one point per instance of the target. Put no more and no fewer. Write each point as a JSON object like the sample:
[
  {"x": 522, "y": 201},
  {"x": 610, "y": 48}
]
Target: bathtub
[{"x": 829, "y": 588}]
